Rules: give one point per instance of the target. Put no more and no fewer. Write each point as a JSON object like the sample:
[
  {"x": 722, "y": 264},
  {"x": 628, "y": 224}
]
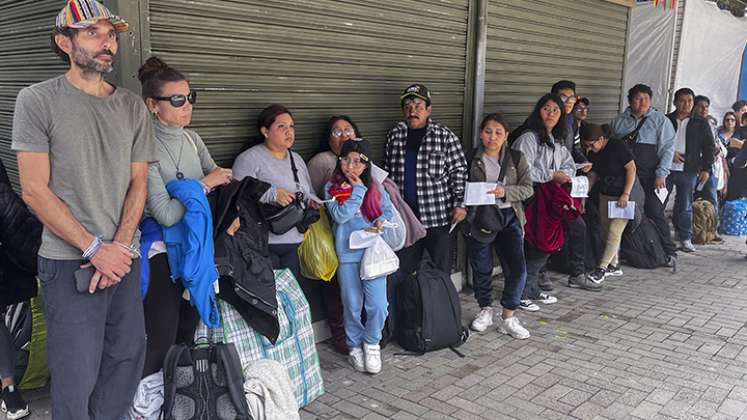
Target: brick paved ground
[{"x": 652, "y": 345}]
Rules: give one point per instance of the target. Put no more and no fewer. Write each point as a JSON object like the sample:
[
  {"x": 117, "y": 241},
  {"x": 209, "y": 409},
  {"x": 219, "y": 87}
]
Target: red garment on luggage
[{"x": 545, "y": 213}]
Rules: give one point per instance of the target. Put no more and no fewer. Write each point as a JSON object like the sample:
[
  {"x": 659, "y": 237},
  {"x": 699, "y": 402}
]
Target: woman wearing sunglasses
[{"x": 181, "y": 154}]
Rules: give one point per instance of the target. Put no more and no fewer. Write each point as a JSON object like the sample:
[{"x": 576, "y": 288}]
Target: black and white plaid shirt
[{"x": 441, "y": 171}]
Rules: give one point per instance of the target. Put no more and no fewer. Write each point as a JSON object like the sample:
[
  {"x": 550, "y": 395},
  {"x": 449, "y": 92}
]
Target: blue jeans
[
  {"x": 710, "y": 193},
  {"x": 355, "y": 293},
  {"x": 682, "y": 217},
  {"x": 509, "y": 246}
]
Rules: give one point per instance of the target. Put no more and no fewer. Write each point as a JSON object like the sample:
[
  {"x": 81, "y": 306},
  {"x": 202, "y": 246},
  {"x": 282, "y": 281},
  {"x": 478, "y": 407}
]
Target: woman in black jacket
[{"x": 20, "y": 237}]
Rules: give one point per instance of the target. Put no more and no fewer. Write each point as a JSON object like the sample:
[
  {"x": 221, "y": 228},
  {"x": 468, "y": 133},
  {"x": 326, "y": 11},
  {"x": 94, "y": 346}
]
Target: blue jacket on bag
[
  {"x": 347, "y": 218},
  {"x": 189, "y": 245}
]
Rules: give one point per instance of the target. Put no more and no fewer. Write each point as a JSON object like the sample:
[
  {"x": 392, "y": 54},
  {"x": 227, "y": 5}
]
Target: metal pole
[{"x": 481, "y": 46}]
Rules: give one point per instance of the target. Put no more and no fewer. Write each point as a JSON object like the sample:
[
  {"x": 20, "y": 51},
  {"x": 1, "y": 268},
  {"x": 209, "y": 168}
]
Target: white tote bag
[{"x": 378, "y": 261}]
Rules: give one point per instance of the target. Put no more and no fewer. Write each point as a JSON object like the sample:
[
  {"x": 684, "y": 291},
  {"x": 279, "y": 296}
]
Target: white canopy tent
[{"x": 709, "y": 59}]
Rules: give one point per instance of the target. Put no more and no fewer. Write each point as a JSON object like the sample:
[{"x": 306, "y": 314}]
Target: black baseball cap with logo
[{"x": 416, "y": 91}]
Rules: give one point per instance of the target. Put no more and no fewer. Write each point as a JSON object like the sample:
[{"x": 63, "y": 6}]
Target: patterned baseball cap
[
  {"x": 80, "y": 14},
  {"x": 418, "y": 91}
]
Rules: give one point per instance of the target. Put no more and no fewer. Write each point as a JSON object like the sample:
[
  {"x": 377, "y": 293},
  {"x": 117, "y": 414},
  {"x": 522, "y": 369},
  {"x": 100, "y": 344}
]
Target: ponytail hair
[{"x": 154, "y": 73}]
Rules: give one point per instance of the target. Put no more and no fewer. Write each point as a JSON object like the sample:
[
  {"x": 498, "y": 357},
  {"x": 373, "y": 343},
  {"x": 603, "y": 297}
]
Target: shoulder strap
[
  {"x": 504, "y": 165},
  {"x": 294, "y": 169},
  {"x": 191, "y": 141},
  {"x": 637, "y": 128},
  {"x": 170, "y": 363},
  {"x": 228, "y": 359}
]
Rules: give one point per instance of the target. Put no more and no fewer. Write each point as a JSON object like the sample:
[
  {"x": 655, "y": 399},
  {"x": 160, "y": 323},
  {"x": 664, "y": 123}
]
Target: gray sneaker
[
  {"x": 585, "y": 283},
  {"x": 544, "y": 281}
]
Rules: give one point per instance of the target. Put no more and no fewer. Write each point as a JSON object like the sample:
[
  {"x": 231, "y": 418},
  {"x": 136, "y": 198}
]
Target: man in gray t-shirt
[{"x": 83, "y": 148}]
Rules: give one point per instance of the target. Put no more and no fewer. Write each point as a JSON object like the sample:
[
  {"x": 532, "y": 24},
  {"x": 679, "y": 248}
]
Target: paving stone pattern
[{"x": 651, "y": 345}]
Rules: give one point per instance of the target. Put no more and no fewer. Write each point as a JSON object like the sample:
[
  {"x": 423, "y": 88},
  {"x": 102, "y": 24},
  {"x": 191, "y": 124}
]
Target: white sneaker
[
  {"x": 528, "y": 305},
  {"x": 355, "y": 357},
  {"x": 373, "y": 357},
  {"x": 546, "y": 299},
  {"x": 483, "y": 320},
  {"x": 687, "y": 246},
  {"x": 513, "y": 327}
]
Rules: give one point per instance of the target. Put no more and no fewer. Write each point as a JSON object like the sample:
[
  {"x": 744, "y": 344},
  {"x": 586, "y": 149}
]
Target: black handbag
[
  {"x": 282, "y": 219},
  {"x": 489, "y": 220}
]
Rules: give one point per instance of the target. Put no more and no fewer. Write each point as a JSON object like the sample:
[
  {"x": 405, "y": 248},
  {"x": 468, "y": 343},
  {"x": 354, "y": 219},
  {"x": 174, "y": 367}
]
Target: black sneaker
[
  {"x": 584, "y": 282},
  {"x": 614, "y": 271},
  {"x": 597, "y": 276},
  {"x": 13, "y": 405}
]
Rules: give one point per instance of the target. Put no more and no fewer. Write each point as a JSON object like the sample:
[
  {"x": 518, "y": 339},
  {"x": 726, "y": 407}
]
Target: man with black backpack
[{"x": 650, "y": 136}]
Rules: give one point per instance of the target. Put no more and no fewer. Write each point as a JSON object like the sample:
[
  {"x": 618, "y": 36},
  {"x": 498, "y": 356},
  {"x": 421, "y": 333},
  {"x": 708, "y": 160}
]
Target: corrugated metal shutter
[
  {"x": 676, "y": 49},
  {"x": 25, "y": 58},
  {"x": 533, "y": 44},
  {"x": 318, "y": 58}
]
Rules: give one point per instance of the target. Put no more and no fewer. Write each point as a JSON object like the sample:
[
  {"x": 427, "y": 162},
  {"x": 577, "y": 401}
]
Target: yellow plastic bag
[{"x": 317, "y": 253}]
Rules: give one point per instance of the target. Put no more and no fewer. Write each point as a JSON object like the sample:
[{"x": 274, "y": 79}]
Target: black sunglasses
[{"x": 178, "y": 101}]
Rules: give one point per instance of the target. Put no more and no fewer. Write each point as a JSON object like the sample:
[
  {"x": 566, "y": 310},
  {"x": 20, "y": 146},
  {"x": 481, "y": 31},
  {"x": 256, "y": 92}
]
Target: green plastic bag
[
  {"x": 317, "y": 253},
  {"x": 37, "y": 373}
]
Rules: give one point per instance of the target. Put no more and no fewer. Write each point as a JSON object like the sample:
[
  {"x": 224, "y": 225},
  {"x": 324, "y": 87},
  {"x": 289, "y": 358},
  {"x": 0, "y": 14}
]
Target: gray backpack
[{"x": 204, "y": 382}]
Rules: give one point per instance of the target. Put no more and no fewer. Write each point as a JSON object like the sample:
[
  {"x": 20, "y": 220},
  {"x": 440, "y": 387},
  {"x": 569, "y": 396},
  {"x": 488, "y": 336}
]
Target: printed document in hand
[
  {"x": 479, "y": 193},
  {"x": 579, "y": 187},
  {"x": 662, "y": 194},
  {"x": 615, "y": 212}
]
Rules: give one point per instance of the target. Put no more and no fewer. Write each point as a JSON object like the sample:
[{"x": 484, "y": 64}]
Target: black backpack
[
  {"x": 204, "y": 382},
  {"x": 429, "y": 315},
  {"x": 642, "y": 247}
]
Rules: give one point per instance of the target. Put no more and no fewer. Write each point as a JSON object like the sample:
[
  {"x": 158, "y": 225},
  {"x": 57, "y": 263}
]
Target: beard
[{"x": 87, "y": 61}]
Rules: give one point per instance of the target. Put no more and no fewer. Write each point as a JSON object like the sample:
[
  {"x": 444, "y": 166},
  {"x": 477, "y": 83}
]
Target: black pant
[
  {"x": 7, "y": 350},
  {"x": 654, "y": 210},
  {"x": 95, "y": 342},
  {"x": 436, "y": 242},
  {"x": 169, "y": 318},
  {"x": 536, "y": 260},
  {"x": 575, "y": 236}
]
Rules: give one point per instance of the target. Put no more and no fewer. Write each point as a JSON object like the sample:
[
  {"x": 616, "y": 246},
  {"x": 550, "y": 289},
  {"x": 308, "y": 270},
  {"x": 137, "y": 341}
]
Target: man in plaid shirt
[{"x": 426, "y": 160}]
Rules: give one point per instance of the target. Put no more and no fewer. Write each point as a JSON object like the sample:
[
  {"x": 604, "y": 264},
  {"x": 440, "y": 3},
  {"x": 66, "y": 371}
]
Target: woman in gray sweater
[
  {"x": 271, "y": 161},
  {"x": 169, "y": 318}
]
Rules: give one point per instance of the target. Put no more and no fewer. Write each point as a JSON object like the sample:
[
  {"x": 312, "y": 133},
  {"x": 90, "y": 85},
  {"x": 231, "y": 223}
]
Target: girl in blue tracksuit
[{"x": 359, "y": 203}]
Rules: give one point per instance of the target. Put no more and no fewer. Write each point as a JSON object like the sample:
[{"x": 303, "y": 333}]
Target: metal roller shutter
[
  {"x": 25, "y": 58},
  {"x": 318, "y": 58},
  {"x": 531, "y": 45}
]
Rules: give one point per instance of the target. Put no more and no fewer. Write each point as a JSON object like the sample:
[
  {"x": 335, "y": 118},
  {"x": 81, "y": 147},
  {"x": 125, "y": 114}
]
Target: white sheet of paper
[
  {"x": 378, "y": 174},
  {"x": 581, "y": 165},
  {"x": 662, "y": 194},
  {"x": 615, "y": 212},
  {"x": 478, "y": 193},
  {"x": 579, "y": 187}
]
